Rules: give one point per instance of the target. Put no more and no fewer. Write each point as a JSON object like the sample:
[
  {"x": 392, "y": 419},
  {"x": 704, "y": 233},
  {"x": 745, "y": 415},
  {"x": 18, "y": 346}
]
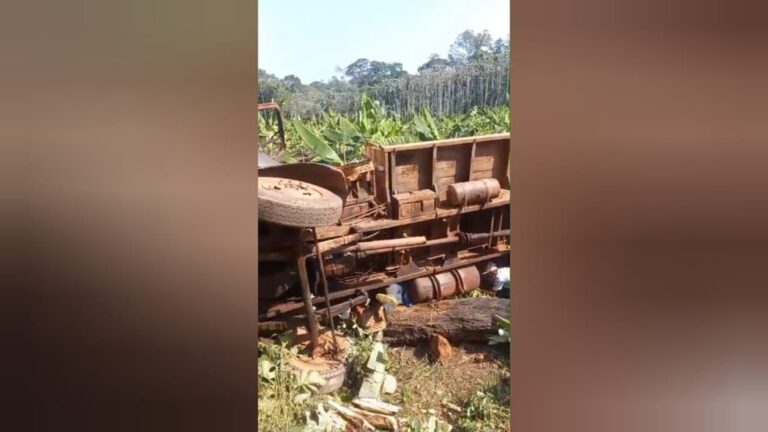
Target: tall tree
[
  {"x": 270, "y": 87},
  {"x": 501, "y": 46},
  {"x": 357, "y": 70},
  {"x": 293, "y": 83},
  {"x": 434, "y": 64},
  {"x": 365, "y": 73},
  {"x": 470, "y": 46}
]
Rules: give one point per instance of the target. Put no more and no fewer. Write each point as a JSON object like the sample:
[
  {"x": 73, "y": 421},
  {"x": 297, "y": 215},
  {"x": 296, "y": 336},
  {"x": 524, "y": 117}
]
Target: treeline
[{"x": 474, "y": 74}]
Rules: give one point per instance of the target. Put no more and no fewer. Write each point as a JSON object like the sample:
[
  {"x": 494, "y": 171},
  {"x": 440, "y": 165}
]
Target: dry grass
[{"x": 424, "y": 385}]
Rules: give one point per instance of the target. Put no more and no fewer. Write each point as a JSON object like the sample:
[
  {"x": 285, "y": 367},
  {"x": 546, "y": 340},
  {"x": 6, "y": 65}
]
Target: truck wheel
[
  {"x": 334, "y": 373},
  {"x": 296, "y": 203}
]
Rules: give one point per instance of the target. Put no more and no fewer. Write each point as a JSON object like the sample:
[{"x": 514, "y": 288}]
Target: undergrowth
[
  {"x": 476, "y": 293},
  {"x": 486, "y": 411},
  {"x": 283, "y": 394},
  {"x": 480, "y": 390},
  {"x": 359, "y": 353}
]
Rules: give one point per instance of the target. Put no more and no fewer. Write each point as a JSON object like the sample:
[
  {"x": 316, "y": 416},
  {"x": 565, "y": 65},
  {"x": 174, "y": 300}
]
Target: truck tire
[
  {"x": 297, "y": 204},
  {"x": 334, "y": 373}
]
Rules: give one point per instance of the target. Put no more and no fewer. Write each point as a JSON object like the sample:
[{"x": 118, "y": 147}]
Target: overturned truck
[{"x": 426, "y": 218}]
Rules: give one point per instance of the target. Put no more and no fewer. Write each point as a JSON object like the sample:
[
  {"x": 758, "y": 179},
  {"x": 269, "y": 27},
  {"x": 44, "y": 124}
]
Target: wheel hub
[{"x": 290, "y": 187}]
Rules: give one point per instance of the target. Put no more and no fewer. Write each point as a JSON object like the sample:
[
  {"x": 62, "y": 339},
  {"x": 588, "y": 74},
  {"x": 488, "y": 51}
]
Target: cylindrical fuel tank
[
  {"x": 444, "y": 285},
  {"x": 473, "y": 192}
]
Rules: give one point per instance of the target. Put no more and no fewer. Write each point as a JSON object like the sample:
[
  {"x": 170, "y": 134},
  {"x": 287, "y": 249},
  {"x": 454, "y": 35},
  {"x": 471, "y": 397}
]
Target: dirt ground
[{"x": 424, "y": 385}]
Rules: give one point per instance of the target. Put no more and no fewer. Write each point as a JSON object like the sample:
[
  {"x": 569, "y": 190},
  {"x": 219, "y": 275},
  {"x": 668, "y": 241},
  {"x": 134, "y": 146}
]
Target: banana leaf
[{"x": 321, "y": 149}]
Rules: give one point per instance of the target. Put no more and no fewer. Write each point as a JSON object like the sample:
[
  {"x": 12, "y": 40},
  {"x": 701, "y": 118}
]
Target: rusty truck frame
[{"x": 425, "y": 215}]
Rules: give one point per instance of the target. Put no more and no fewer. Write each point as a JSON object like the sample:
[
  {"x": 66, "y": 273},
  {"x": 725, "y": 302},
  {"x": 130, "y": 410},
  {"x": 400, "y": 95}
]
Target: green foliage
[
  {"x": 425, "y": 126},
  {"x": 477, "y": 122},
  {"x": 283, "y": 392},
  {"x": 476, "y": 73},
  {"x": 319, "y": 147},
  {"x": 434, "y": 64},
  {"x": 503, "y": 330},
  {"x": 470, "y": 46},
  {"x": 484, "y": 412},
  {"x": 433, "y": 424},
  {"x": 269, "y": 140},
  {"x": 337, "y": 139},
  {"x": 365, "y": 73},
  {"x": 475, "y": 293},
  {"x": 359, "y": 353}
]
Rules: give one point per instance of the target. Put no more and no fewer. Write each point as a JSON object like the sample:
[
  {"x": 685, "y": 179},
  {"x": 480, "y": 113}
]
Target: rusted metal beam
[
  {"x": 381, "y": 224},
  {"x": 307, "y": 302},
  {"x": 426, "y": 272},
  {"x": 445, "y": 143},
  {"x": 386, "y": 244},
  {"x": 288, "y": 308},
  {"x": 324, "y": 280},
  {"x": 340, "y": 307},
  {"x": 467, "y": 239},
  {"x": 325, "y": 246},
  {"x": 280, "y": 126},
  {"x": 490, "y": 230}
]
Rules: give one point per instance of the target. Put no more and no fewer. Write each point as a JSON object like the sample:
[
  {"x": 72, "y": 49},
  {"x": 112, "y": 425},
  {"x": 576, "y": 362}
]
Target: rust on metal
[
  {"x": 306, "y": 296},
  {"x": 325, "y": 176},
  {"x": 324, "y": 281},
  {"x": 465, "y": 239},
  {"x": 445, "y": 284},
  {"x": 473, "y": 192},
  {"x": 386, "y": 244},
  {"x": 327, "y": 245},
  {"x": 344, "y": 293},
  {"x": 424, "y": 214}
]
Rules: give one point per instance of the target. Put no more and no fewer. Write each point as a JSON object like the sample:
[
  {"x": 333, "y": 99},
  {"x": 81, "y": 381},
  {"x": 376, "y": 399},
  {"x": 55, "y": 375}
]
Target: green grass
[
  {"x": 486, "y": 411},
  {"x": 284, "y": 395},
  {"x": 277, "y": 389}
]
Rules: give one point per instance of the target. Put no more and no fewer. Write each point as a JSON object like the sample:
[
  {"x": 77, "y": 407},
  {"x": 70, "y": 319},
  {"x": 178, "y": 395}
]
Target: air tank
[
  {"x": 444, "y": 285},
  {"x": 473, "y": 192}
]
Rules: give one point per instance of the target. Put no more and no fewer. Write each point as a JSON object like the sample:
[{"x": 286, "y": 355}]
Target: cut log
[{"x": 458, "y": 320}]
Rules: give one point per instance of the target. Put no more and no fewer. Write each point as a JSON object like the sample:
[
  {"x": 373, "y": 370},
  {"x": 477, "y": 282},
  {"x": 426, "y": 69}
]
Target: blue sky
[{"x": 310, "y": 39}]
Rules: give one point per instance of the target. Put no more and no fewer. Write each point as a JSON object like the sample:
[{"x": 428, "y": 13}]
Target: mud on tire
[
  {"x": 297, "y": 204},
  {"x": 334, "y": 372}
]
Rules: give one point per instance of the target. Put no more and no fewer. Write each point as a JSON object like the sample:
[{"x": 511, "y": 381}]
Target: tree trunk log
[{"x": 458, "y": 320}]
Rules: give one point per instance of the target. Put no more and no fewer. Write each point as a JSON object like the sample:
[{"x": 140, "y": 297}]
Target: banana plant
[
  {"x": 338, "y": 139},
  {"x": 425, "y": 126},
  {"x": 321, "y": 149}
]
